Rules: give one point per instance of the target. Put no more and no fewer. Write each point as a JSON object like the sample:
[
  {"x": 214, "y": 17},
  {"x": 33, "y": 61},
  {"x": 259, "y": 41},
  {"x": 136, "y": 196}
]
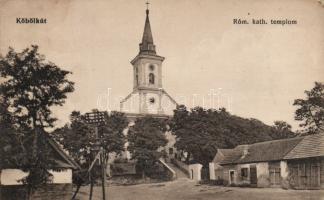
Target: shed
[
  {"x": 295, "y": 162},
  {"x": 59, "y": 189}
]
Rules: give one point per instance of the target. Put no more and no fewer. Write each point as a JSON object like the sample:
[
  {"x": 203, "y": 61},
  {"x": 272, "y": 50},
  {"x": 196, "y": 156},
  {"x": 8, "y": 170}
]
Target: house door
[
  {"x": 314, "y": 176},
  {"x": 231, "y": 174},
  {"x": 253, "y": 175}
]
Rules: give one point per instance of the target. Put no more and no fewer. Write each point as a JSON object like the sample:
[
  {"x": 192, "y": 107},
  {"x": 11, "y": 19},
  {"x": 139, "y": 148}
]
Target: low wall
[
  {"x": 182, "y": 166},
  {"x": 212, "y": 175},
  {"x": 170, "y": 171},
  {"x": 195, "y": 171}
]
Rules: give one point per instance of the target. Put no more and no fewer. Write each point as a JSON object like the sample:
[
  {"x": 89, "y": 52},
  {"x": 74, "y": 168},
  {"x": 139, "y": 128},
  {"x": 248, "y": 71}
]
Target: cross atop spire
[
  {"x": 147, "y": 5},
  {"x": 147, "y": 46}
]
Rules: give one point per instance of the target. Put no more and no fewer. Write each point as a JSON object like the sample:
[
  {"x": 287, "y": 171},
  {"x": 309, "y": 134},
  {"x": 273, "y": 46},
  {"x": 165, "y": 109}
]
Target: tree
[
  {"x": 192, "y": 130},
  {"x": 311, "y": 110},
  {"x": 79, "y": 138},
  {"x": 282, "y": 130},
  {"x": 111, "y": 133},
  {"x": 9, "y": 143},
  {"x": 200, "y": 132},
  {"x": 145, "y": 138},
  {"x": 31, "y": 87}
]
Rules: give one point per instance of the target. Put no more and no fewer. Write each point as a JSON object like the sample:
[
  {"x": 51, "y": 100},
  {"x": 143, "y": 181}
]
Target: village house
[
  {"x": 296, "y": 163},
  {"x": 60, "y": 187}
]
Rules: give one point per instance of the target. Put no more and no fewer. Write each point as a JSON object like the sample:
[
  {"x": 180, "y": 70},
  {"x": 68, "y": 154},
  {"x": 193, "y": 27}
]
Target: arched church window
[
  {"x": 136, "y": 75},
  {"x": 151, "y": 78}
]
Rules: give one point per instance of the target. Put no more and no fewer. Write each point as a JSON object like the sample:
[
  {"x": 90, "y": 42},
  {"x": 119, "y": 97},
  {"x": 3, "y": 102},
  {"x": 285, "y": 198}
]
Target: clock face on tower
[{"x": 152, "y": 100}]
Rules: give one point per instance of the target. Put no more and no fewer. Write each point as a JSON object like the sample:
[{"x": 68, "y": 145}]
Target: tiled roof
[
  {"x": 270, "y": 150},
  {"x": 259, "y": 152},
  {"x": 61, "y": 159},
  {"x": 232, "y": 155},
  {"x": 310, "y": 146}
]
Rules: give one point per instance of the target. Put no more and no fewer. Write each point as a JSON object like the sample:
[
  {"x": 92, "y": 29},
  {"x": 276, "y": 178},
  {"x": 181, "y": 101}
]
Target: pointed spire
[{"x": 147, "y": 46}]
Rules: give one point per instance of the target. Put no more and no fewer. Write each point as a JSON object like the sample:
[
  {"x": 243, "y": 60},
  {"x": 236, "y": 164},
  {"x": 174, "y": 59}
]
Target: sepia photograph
[{"x": 161, "y": 99}]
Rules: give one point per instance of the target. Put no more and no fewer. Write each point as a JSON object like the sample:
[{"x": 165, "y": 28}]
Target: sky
[{"x": 254, "y": 71}]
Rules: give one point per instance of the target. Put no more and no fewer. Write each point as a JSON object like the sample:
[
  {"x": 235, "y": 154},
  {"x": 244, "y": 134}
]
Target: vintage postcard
[{"x": 161, "y": 99}]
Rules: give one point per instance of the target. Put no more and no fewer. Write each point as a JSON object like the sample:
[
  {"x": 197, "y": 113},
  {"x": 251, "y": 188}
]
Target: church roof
[
  {"x": 147, "y": 46},
  {"x": 147, "y": 34}
]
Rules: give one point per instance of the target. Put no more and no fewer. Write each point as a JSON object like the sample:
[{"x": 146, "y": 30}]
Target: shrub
[
  {"x": 263, "y": 181},
  {"x": 212, "y": 182}
]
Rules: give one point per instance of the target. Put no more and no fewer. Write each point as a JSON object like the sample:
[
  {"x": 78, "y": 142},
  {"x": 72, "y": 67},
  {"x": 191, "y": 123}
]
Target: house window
[
  {"x": 275, "y": 177},
  {"x": 244, "y": 173},
  {"x": 151, "y": 78}
]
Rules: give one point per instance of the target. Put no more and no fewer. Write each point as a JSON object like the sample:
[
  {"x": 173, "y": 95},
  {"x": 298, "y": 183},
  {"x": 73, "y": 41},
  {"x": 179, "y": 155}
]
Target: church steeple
[
  {"x": 147, "y": 46},
  {"x": 148, "y": 96}
]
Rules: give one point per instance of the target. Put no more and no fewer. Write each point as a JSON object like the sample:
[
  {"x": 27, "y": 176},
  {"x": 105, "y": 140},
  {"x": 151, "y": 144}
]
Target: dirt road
[{"x": 185, "y": 189}]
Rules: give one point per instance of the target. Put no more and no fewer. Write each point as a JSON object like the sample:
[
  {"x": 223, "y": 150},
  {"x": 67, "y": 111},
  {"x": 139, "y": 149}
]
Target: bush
[
  {"x": 158, "y": 172},
  {"x": 212, "y": 182},
  {"x": 121, "y": 160},
  {"x": 263, "y": 181},
  {"x": 285, "y": 184},
  {"x": 289, "y": 182}
]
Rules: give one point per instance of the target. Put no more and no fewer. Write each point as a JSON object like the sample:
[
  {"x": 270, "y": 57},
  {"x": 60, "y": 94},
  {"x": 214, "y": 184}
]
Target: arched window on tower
[
  {"x": 151, "y": 78},
  {"x": 136, "y": 75}
]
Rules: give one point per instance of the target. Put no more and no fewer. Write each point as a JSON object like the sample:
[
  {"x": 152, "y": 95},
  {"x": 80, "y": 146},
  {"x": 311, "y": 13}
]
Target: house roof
[
  {"x": 232, "y": 155},
  {"x": 270, "y": 150},
  {"x": 61, "y": 159},
  {"x": 258, "y": 152},
  {"x": 310, "y": 146}
]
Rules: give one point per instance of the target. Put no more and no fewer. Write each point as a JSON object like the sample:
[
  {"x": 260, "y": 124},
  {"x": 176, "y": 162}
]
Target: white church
[{"x": 148, "y": 96}]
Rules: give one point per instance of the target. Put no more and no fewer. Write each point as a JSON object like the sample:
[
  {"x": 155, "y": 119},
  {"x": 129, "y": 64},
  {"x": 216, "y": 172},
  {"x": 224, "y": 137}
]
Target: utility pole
[{"x": 97, "y": 118}]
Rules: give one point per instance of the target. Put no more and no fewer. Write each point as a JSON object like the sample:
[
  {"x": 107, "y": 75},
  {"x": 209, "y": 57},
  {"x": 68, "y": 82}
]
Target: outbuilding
[
  {"x": 60, "y": 187},
  {"x": 290, "y": 163}
]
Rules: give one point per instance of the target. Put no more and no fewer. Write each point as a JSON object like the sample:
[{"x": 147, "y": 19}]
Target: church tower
[{"x": 148, "y": 96}]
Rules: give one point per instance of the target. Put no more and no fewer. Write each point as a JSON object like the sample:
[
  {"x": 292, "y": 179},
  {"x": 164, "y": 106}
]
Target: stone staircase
[{"x": 179, "y": 173}]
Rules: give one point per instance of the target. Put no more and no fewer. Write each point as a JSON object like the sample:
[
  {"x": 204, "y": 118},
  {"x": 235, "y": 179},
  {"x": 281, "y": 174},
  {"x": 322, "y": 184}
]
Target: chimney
[{"x": 245, "y": 151}]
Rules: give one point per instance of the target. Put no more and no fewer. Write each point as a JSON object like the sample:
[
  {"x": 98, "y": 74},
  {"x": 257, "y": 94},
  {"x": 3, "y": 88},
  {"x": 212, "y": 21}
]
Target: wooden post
[
  {"x": 76, "y": 191},
  {"x": 96, "y": 133},
  {"x": 103, "y": 174},
  {"x": 91, "y": 187},
  {"x": 319, "y": 174}
]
